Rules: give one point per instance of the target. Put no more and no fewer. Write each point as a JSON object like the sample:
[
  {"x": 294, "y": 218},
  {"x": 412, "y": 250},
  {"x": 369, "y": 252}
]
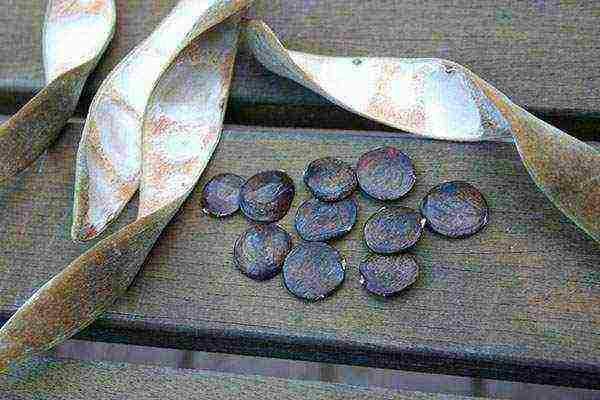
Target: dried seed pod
[
  {"x": 330, "y": 179},
  {"x": 260, "y": 251},
  {"x": 68, "y": 61},
  {"x": 455, "y": 209},
  {"x": 221, "y": 195},
  {"x": 317, "y": 221},
  {"x": 388, "y": 275},
  {"x": 267, "y": 196},
  {"x": 394, "y": 229},
  {"x": 312, "y": 271},
  {"x": 385, "y": 173}
]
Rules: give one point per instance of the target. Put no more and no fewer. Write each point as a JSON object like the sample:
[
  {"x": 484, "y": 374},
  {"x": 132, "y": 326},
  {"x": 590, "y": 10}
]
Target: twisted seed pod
[
  {"x": 178, "y": 140},
  {"x": 76, "y": 33},
  {"x": 109, "y": 160},
  {"x": 440, "y": 99}
]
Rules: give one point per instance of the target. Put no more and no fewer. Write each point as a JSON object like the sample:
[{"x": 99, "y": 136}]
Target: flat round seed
[
  {"x": 312, "y": 271},
  {"x": 385, "y": 174},
  {"x": 267, "y": 196},
  {"x": 330, "y": 179},
  {"x": 388, "y": 275},
  {"x": 455, "y": 209},
  {"x": 317, "y": 221},
  {"x": 221, "y": 195},
  {"x": 260, "y": 251},
  {"x": 394, "y": 229}
]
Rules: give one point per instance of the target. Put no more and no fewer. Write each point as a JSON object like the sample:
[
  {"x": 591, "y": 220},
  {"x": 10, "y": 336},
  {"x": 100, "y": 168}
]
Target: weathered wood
[
  {"x": 542, "y": 54},
  {"x": 87, "y": 380},
  {"x": 519, "y": 301},
  {"x": 538, "y": 53},
  {"x": 21, "y": 68}
]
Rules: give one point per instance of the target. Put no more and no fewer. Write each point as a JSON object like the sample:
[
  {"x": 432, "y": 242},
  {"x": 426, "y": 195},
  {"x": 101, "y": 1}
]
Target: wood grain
[
  {"x": 87, "y": 380},
  {"x": 542, "y": 54},
  {"x": 519, "y": 301},
  {"x": 21, "y": 68}
]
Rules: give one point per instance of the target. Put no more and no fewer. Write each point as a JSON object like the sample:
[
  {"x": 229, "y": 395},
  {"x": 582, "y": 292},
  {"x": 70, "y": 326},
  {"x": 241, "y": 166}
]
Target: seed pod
[
  {"x": 317, "y": 221},
  {"x": 455, "y": 209},
  {"x": 393, "y": 229},
  {"x": 260, "y": 251},
  {"x": 267, "y": 196},
  {"x": 385, "y": 174},
  {"x": 330, "y": 179},
  {"x": 221, "y": 195},
  {"x": 388, "y": 275},
  {"x": 312, "y": 271}
]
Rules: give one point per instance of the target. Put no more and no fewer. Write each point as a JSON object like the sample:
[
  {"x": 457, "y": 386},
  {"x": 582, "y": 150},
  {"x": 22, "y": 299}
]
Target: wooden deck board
[
  {"x": 519, "y": 301},
  {"x": 88, "y": 380},
  {"x": 542, "y": 54}
]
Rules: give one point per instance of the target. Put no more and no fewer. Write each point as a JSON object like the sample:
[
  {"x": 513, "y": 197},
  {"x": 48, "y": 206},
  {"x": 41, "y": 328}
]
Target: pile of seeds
[{"x": 312, "y": 270}]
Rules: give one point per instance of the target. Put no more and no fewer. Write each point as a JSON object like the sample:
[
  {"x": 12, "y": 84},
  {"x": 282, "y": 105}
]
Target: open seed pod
[
  {"x": 76, "y": 33},
  {"x": 177, "y": 132}
]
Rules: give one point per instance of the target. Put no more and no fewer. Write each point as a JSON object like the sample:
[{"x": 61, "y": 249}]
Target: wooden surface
[
  {"x": 87, "y": 380},
  {"x": 519, "y": 301},
  {"x": 398, "y": 380},
  {"x": 543, "y": 54}
]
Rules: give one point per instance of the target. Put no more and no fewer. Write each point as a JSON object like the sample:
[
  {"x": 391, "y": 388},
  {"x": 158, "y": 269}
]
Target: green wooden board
[
  {"x": 48, "y": 378},
  {"x": 520, "y": 300}
]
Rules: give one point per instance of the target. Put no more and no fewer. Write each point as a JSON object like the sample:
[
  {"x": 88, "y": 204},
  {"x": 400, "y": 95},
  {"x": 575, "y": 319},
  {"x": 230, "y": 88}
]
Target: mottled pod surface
[
  {"x": 312, "y": 271},
  {"x": 330, "y": 179},
  {"x": 318, "y": 221},
  {"x": 394, "y": 229},
  {"x": 388, "y": 275},
  {"x": 267, "y": 196},
  {"x": 385, "y": 174},
  {"x": 260, "y": 251},
  {"x": 221, "y": 195},
  {"x": 455, "y": 209}
]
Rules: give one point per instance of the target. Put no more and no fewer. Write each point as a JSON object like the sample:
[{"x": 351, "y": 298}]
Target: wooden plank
[
  {"x": 543, "y": 54},
  {"x": 537, "y": 52},
  {"x": 87, "y": 380},
  {"x": 21, "y": 68},
  {"x": 305, "y": 370},
  {"x": 518, "y": 301}
]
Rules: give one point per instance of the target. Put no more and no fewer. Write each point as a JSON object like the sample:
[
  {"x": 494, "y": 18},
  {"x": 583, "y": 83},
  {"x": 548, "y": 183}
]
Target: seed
[
  {"x": 312, "y": 271},
  {"x": 260, "y": 251},
  {"x": 393, "y": 229},
  {"x": 330, "y": 179},
  {"x": 455, "y": 209},
  {"x": 385, "y": 174},
  {"x": 388, "y": 275},
  {"x": 317, "y": 221},
  {"x": 221, "y": 195},
  {"x": 267, "y": 196}
]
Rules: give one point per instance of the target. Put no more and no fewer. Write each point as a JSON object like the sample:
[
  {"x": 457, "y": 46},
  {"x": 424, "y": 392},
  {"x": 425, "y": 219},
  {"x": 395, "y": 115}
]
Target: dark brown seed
[
  {"x": 455, "y": 209},
  {"x": 386, "y": 174},
  {"x": 312, "y": 271},
  {"x": 388, "y": 275},
  {"x": 330, "y": 179},
  {"x": 393, "y": 229},
  {"x": 221, "y": 195},
  {"x": 317, "y": 221},
  {"x": 260, "y": 251},
  {"x": 267, "y": 196}
]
